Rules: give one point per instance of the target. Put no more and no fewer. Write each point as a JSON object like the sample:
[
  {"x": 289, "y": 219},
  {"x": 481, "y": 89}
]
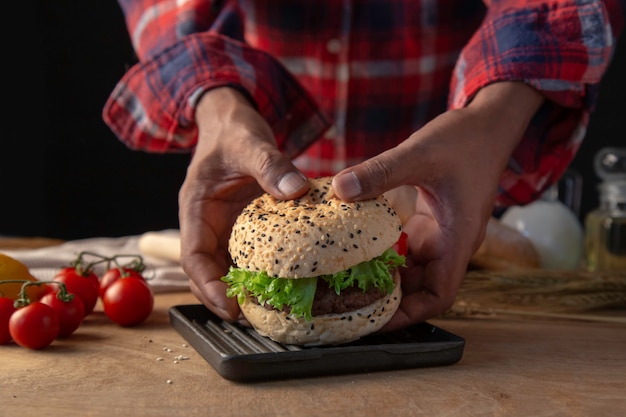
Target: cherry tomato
[
  {"x": 402, "y": 245},
  {"x": 34, "y": 326},
  {"x": 89, "y": 274},
  {"x": 6, "y": 310},
  {"x": 113, "y": 275},
  {"x": 128, "y": 301},
  {"x": 84, "y": 286},
  {"x": 71, "y": 313}
]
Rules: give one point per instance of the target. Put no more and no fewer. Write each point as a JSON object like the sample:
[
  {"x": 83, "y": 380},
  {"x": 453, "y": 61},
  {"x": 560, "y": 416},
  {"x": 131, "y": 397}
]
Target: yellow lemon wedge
[{"x": 12, "y": 269}]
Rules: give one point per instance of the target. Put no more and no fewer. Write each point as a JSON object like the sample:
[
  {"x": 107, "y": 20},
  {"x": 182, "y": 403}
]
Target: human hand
[
  {"x": 452, "y": 166},
  {"x": 236, "y": 159}
]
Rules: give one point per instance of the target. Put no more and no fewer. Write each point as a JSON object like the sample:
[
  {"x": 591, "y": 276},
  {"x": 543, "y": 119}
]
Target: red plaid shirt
[{"x": 340, "y": 81}]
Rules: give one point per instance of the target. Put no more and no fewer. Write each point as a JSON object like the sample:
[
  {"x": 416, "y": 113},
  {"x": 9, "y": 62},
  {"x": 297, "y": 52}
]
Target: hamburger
[{"x": 316, "y": 270}]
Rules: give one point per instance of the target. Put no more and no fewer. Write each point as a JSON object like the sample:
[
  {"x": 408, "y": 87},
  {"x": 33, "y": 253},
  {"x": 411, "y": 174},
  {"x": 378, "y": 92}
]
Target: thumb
[
  {"x": 275, "y": 173},
  {"x": 377, "y": 175}
]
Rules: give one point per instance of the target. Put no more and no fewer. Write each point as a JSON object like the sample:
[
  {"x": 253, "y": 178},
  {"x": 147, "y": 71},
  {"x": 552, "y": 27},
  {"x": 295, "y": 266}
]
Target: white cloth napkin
[{"x": 163, "y": 275}]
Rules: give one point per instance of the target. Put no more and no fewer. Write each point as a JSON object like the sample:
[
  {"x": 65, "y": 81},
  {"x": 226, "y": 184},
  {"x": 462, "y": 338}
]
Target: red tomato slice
[{"x": 402, "y": 245}]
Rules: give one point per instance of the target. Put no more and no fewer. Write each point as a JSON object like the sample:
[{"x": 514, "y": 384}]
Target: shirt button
[{"x": 333, "y": 46}]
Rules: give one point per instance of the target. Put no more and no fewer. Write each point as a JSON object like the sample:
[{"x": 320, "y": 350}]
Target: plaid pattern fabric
[{"x": 341, "y": 80}]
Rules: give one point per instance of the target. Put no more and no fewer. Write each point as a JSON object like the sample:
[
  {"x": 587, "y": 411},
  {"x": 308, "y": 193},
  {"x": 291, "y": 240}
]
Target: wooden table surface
[{"x": 509, "y": 368}]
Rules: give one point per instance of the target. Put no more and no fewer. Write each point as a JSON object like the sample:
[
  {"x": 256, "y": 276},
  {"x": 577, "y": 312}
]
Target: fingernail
[
  {"x": 291, "y": 183},
  {"x": 348, "y": 185}
]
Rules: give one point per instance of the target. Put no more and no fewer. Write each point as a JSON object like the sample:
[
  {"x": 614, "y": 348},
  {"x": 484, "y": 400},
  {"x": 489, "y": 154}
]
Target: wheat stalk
[{"x": 548, "y": 293}]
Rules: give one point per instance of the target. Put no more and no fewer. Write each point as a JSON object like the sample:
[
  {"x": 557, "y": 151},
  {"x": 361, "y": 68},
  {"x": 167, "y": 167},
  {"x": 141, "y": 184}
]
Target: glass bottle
[{"x": 605, "y": 226}]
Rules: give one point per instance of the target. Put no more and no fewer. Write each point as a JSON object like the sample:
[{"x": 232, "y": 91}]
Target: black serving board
[{"x": 240, "y": 354}]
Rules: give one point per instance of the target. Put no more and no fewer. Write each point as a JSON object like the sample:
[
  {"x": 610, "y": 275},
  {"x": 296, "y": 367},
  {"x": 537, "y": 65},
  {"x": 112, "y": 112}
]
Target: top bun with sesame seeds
[
  {"x": 316, "y": 234},
  {"x": 316, "y": 270}
]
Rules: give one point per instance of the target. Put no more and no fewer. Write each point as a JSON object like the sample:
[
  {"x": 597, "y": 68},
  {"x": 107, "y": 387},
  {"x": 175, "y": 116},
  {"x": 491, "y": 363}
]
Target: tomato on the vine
[
  {"x": 128, "y": 301},
  {"x": 402, "y": 245},
  {"x": 113, "y": 274},
  {"x": 34, "y": 326},
  {"x": 71, "y": 312},
  {"x": 6, "y": 311},
  {"x": 85, "y": 285}
]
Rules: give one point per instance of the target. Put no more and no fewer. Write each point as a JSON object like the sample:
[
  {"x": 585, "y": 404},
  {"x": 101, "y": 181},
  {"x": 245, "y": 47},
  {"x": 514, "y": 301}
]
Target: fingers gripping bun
[
  {"x": 314, "y": 235},
  {"x": 326, "y": 329}
]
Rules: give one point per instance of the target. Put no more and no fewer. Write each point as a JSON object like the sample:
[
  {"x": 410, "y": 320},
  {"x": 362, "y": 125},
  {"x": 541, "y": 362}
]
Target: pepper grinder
[{"x": 605, "y": 226}]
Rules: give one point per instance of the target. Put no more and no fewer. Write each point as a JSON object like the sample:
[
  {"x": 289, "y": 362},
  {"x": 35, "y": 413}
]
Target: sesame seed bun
[
  {"x": 326, "y": 329},
  {"x": 312, "y": 236},
  {"x": 316, "y": 234}
]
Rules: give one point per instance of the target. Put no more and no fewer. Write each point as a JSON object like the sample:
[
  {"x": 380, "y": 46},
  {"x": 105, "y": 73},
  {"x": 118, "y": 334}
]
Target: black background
[{"x": 64, "y": 174}]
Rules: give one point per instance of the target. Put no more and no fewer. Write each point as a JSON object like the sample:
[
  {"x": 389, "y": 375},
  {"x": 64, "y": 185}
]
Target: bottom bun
[{"x": 328, "y": 329}]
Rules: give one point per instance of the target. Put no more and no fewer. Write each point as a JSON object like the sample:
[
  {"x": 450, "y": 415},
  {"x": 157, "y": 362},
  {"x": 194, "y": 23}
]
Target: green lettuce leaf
[{"x": 298, "y": 294}]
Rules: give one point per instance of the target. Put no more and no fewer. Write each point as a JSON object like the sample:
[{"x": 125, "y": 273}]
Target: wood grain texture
[{"x": 510, "y": 368}]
